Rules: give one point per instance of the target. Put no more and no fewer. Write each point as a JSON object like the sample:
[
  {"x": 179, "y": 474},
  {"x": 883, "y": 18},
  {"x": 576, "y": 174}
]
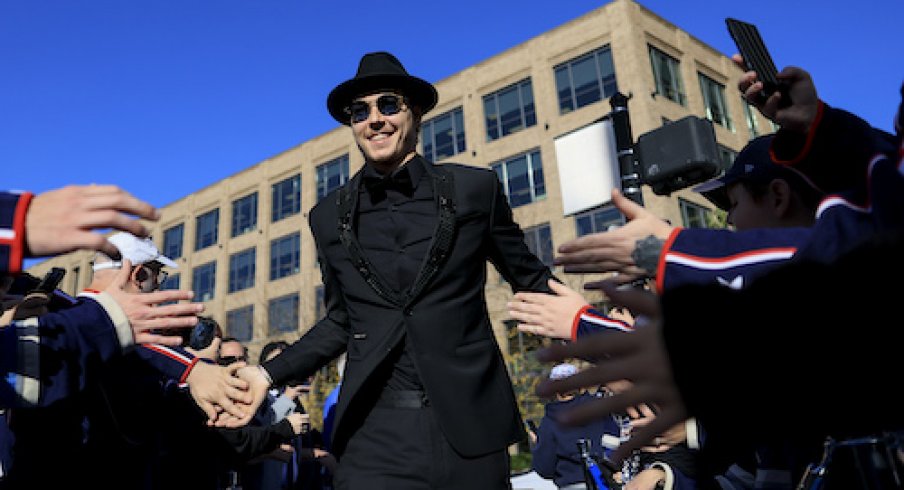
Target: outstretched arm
[{"x": 549, "y": 315}]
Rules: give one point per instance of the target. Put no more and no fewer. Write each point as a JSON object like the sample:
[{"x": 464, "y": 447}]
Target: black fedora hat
[{"x": 380, "y": 71}]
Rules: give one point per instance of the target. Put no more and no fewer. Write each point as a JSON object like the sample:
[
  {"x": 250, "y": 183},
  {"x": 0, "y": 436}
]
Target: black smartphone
[
  {"x": 756, "y": 57},
  {"x": 532, "y": 426},
  {"x": 51, "y": 280}
]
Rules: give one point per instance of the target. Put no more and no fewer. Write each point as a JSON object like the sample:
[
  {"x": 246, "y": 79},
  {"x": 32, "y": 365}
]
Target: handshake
[{"x": 229, "y": 395}]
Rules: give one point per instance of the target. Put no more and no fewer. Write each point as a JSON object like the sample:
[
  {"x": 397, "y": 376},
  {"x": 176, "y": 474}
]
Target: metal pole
[{"x": 624, "y": 143}]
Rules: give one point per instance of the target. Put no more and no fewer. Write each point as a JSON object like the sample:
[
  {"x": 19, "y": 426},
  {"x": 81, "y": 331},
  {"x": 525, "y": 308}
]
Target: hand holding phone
[{"x": 757, "y": 58}]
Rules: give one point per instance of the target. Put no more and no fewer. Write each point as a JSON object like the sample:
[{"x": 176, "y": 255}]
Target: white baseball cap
[
  {"x": 138, "y": 250},
  {"x": 563, "y": 370}
]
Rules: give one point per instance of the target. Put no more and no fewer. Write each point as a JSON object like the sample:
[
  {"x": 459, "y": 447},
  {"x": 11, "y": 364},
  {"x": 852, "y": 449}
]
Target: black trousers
[{"x": 404, "y": 449}]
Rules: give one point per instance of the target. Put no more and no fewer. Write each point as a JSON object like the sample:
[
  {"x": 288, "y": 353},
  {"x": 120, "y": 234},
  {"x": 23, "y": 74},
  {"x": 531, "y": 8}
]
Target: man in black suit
[{"x": 426, "y": 402}]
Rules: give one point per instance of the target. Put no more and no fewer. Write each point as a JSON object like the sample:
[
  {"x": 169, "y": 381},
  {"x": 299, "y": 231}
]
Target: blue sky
[{"x": 165, "y": 97}]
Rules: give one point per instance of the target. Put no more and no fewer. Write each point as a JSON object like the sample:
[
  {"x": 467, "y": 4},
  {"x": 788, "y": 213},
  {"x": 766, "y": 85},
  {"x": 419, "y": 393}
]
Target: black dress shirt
[{"x": 396, "y": 219}]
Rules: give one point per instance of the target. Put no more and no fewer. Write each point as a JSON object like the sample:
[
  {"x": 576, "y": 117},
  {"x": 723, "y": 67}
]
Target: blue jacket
[
  {"x": 556, "y": 454},
  {"x": 12, "y": 230},
  {"x": 589, "y": 320},
  {"x": 854, "y": 164},
  {"x": 44, "y": 359}
]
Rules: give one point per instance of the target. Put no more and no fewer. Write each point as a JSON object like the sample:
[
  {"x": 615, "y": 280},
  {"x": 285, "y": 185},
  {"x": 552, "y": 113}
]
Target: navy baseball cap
[{"x": 753, "y": 163}]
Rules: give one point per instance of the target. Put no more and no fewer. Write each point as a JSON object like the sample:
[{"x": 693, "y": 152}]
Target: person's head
[
  {"x": 147, "y": 263},
  {"x": 383, "y": 105},
  {"x": 271, "y": 350},
  {"x": 759, "y": 193},
  {"x": 232, "y": 350}
]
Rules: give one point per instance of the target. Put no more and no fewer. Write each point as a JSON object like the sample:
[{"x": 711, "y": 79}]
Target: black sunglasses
[
  {"x": 387, "y": 104},
  {"x": 227, "y": 360}
]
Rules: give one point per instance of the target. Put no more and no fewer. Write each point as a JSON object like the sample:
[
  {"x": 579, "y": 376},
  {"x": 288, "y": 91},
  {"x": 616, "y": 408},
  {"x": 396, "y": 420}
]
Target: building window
[
  {"x": 286, "y": 198},
  {"x": 285, "y": 256},
  {"x": 203, "y": 281},
  {"x": 667, "y": 75},
  {"x": 241, "y": 270},
  {"x": 597, "y": 220},
  {"x": 331, "y": 175},
  {"x": 693, "y": 215},
  {"x": 509, "y": 110},
  {"x": 444, "y": 135},
  {"x": 172, "y": 241},
  {"x": 586, "y": 79},
  {"x": 207, "y": 229},
  {"x": 753, "y": 125},
  {"x": 522, "y": 178},
  {"x": 283, "y": 314},
  {"x": 240, "y": 323},
  {"x": 714, "y": 100},
  {"x": 726, "y": 157},
  {"x": 539, "y": 241},
  {"x": 319, "y": 305},
  {"x": 244, "y": 214}
]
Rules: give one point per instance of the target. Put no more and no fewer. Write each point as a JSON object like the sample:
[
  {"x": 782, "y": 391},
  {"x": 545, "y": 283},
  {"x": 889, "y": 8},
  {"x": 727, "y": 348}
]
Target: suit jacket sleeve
[
  {"x": 324, "y": 342},
  {"x": 508, "y": 252}
]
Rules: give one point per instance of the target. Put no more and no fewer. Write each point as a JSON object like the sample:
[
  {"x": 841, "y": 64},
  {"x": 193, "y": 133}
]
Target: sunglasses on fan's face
[
  {"x": 227, "y": 360},
  {"x": 387, "y": 104}
]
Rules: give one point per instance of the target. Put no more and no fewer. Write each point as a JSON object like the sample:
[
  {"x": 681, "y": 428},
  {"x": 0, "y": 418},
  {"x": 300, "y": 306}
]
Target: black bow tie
[{"x": 399, "y": 181}]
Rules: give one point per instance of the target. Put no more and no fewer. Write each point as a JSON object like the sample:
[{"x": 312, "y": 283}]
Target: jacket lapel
[{"x": 443, "y": 235}]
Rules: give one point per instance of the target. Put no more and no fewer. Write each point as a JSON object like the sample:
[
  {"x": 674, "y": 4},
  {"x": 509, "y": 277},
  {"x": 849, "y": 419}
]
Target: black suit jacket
[{"x": 444, "y": 314}]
